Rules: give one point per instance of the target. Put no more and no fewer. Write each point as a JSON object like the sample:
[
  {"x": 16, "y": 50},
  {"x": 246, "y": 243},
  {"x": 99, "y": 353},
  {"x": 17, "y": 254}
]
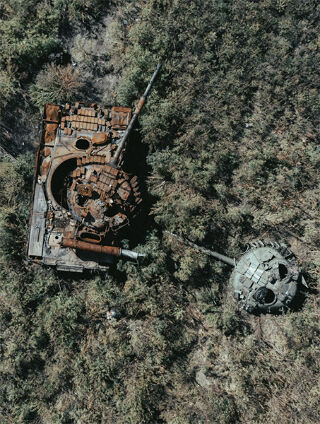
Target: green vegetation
[
  {"x": 232, "y": 125},
  {"x": 30, "y": 31},
  {"x": 55, "y": 84}
]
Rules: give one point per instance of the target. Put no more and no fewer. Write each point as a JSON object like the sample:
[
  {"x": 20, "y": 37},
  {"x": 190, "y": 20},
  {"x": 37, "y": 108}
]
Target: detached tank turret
[
  {"x": 83, "y": 199},
  {"x": 264, "y": 279}
]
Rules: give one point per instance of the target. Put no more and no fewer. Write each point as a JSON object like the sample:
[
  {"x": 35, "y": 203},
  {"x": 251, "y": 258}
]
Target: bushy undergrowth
[
  {"x": 232, "y": 125},
  {"x": 56, "y": 84},
  {"x": 31, "y": 31}
]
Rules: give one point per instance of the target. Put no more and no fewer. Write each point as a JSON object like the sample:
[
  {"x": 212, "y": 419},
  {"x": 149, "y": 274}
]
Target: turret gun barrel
[
  {"x": 115, "y": 160},
  {"x": 216, "y": 255}
]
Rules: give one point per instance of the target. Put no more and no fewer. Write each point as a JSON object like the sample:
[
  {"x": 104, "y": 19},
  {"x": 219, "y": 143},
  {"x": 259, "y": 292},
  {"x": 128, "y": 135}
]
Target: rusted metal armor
[
  {"x": 78, "y": 195},
  {"x": 83, "y": 199}
]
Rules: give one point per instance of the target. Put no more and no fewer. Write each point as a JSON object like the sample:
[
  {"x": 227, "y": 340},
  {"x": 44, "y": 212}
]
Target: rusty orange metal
[
  {"x": 52, "y": 113},
  {"x": 83, "y": 199},
  {"x": 81, "y": 245},
  {"x": 89, "y": 201},
  {"x": 120, "y": 117},
  {"x": 50, "y": 133},
  {"x": 99, "y": 138},
  {"x": 139, "y": 106}
]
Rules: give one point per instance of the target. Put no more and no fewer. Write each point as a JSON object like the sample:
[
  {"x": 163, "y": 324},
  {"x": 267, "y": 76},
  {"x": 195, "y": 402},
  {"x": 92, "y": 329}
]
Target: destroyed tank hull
[
  {"x": 78, "y": 194},
  {"x": 84, "y": 201}
]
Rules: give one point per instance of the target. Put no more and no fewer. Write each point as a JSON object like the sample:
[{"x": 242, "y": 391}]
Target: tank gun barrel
[
  {"x": 216, "y": 255},
  {"x": 139, "y": 106}
]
